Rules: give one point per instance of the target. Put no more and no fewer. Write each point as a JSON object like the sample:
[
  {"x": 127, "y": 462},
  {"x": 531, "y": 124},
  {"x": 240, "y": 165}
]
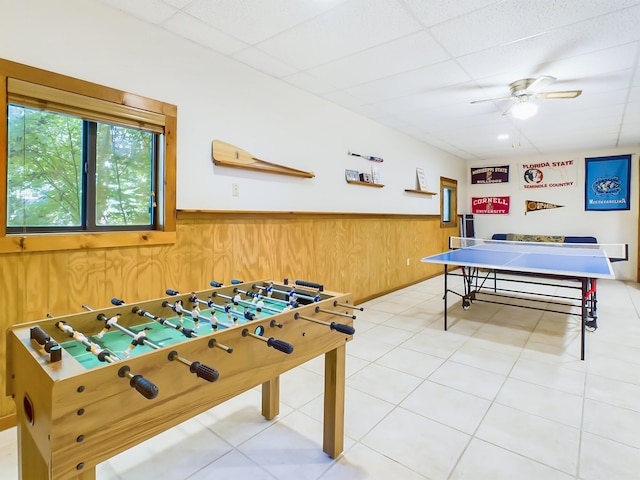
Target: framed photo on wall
[{"x": 607, "y": 183}]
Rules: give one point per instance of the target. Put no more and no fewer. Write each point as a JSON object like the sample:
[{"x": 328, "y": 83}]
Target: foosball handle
[
  {"x": 172, "y": 292},
  {"x": 117, "y": 301},
  {"x": 342, "y": 328},
  {"x": 203, "y": 371},
  {"x": 280, "y": 345},
  {"x": 215, "y": 284},
  {"x": 50, "y": 346},
  {"x": 146, "y": 388}
]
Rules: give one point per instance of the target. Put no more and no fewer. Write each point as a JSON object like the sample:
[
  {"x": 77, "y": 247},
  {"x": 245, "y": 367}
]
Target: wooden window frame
[
  {"x": 140, "y": 110},
  {"x": 452, "y": 184}
]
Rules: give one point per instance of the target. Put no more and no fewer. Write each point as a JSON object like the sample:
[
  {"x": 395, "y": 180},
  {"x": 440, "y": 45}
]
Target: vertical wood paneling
[{"x": 365, "y": 255}]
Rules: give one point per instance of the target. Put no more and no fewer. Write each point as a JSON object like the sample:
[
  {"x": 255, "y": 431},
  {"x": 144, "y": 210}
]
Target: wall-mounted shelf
[
  {"x": 423, "y": 192},
  {"x": 366, "y": 184}
]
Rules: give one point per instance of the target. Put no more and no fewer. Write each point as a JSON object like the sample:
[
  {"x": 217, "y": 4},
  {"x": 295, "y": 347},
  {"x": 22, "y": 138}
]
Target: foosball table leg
[
  {"x": 334, "y": 387},
  {"x": 271, "y": 398}
]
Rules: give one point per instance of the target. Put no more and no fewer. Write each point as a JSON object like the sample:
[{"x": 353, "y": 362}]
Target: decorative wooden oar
[{"x": 227, "y": 155}]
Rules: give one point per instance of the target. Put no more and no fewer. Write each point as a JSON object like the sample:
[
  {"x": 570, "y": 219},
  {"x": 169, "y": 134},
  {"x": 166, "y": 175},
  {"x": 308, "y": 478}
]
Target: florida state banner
[
  {"x": 490, "y": 205},
  {"x": 532, "y": 206},
  {"x": 484, "y": 175},
  {"x": 547, "y": 174},
  {"x": 607, "y": 183}
]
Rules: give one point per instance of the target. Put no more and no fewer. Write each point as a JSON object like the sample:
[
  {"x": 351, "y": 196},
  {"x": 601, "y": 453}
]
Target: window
[
  {"x": 448, "y": 202},
  {"x": 82, "y": 159},
  {"x": 65, "y": 173}
]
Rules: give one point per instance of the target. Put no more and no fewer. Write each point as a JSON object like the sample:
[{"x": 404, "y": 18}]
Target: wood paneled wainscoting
[{"x": 365, "y": 254}]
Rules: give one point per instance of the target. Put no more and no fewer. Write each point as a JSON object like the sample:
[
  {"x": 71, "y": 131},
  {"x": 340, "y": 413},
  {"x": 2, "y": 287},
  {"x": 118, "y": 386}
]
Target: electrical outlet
[{"x": 235, "y": 190}]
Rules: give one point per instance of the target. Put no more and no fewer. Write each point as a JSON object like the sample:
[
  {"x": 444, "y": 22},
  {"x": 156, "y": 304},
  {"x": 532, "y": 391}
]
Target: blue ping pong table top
[{"x": 527, "y": 258}]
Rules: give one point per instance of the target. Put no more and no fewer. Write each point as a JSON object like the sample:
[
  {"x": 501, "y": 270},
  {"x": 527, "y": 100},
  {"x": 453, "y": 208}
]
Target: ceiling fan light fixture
[{"x": 524, "y": 109}]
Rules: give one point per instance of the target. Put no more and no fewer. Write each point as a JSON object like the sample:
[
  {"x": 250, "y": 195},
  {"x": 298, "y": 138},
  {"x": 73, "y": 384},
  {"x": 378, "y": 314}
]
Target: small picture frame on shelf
[
  {"x": 351, "y": 175},
  {"x": 422, "y": 182},
  {"x": 365, "y": 177},
  {"x": 375, "y": 175}
]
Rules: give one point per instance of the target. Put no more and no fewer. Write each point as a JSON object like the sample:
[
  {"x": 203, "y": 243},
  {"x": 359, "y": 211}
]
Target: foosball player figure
[
  {"x": 292, "y": 294},
  {"x": 138, "y": 339},
  {"x": 317, "y": 297},
  {"x": 270, "y": 289},
  {"x": 289, "y": 305},
  {"x": 229, "y": 311},
  {"x": 195, "y": 316},
  {"x": 257, "y": 297},
  {"x": 107, "y": 324},
  {"x": 247, "y": 314},
  {"x": 179, "y": 309},
  {"x": 236, "y": 299},
  {"x": 214, "y": 320},
  {"x": 259, "y": 306}
]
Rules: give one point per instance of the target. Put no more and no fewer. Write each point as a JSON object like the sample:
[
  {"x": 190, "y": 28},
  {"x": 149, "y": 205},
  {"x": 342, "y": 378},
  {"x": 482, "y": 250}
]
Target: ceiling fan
[{"x": 522, "y": 90}]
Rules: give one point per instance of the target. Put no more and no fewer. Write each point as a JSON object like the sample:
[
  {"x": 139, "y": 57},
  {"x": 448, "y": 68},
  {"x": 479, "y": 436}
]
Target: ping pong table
[{"x": 494, "y": 271}]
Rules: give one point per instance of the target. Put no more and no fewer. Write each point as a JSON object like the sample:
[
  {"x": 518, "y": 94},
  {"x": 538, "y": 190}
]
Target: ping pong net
[{"x": 615, "y": 252}]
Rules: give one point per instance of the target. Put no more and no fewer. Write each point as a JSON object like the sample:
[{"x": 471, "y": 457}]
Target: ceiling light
[
  {"x": 524, "y": 109},
  {"x": 503, "y": 136}
]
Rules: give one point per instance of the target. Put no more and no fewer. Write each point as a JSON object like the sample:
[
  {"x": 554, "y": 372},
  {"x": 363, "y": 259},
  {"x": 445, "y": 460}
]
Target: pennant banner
[
  {"x": 490, "y": 205},
  {"x": 532, "y": 206},
  {"x": 560, "y": 174},
  {"x": 607, "y": 183},
  {"x": 483, "y": 175}
]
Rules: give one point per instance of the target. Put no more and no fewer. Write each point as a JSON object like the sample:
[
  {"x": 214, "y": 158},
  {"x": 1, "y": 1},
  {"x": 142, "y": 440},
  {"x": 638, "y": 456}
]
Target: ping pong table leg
[
  {"x": 583, "y": 324},
  {"x": 446, "y": 290}
]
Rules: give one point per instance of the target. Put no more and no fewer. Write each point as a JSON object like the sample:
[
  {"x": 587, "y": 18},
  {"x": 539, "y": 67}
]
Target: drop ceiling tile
[
  {"x": 434, "y": 12},
  {"x": 152, "y": 11},
  {"x": 255, "y": 20},
  {"x": 420, "y": 80},
  {"x": 306, "y": 82},
  {"x": 515, "y": 20},
  {"x": 344, "y": 30},
  {"x": 177, "y": 3},
  {"x": 342, "y": 98},
  {"x": 265, "y": 63},
  {"x": 397, "y": 56},
  {"x": 201, "y": 33}
]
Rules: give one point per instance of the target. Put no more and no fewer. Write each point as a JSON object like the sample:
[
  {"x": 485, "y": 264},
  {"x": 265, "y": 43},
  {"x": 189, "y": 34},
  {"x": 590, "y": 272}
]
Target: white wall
[
  {"x": 218, "y": 98},
  {"x": 571, "y": 219}
]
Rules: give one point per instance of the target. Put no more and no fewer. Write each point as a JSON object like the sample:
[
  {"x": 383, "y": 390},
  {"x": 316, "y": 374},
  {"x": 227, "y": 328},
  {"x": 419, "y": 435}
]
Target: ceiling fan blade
[
  {"x": 560, "y": 94},
  {"x": 492, "y": 99},
  {"x": 539, "y": 83}
]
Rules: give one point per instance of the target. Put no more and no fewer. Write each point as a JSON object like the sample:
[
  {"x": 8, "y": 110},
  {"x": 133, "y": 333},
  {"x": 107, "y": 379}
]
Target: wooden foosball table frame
[{"x": 70, "y": 418}]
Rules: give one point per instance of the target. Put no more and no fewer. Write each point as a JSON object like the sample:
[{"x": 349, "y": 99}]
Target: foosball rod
[
  {"x": 215, "y": 306},
  {"x": 144, "y": 313},
  {"x": 244, "y": 303},
  {"x": 338, "y": 304},
  {"x": 187, "y": 332},
  {"x": 271, "y": 342},
  {"x": 271, "y": 299},
  {"x": 338, "y": 327},
  {"x": 333, "y": 312},
  {"x": 200, "y": 370},
  {"x": 143, "y": 386},
  {"x": 284, "y": 292}
]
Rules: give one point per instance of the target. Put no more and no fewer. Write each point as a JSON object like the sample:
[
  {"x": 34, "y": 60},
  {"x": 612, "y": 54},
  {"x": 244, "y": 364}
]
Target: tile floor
[{"x": 501, "y": 395}]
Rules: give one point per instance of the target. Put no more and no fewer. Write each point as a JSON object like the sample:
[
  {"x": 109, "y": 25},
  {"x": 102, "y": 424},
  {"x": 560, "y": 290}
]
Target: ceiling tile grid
[{"x": 416, "y": 65}]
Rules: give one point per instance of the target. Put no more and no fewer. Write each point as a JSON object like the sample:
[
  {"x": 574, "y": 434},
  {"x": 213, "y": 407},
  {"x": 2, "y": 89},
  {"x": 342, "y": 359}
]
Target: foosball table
[{"x": 90, "y": 385}]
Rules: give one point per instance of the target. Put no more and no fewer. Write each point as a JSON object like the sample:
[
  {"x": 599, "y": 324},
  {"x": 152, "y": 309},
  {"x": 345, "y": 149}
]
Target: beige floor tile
[
  {"x": 601, "y": 458},
  {"x": 384, "y": 383},
  {"x": 484, "y": 461},
  {"x": 410, "y": 361},
  {"x": 422, "y": 445},
  {"x": 534, "y": 437},
  {"x": 615, "y": 423},
  {"x": 468, "y": 379},
  {"x": 550, "y": 375}
]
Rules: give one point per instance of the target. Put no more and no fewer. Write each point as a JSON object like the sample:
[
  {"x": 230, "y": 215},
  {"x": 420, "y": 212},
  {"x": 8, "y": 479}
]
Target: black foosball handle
[
  {"x": 304, "y": 283},
  {"x": 117, "y": 301},
  {"x": 342, "y": 328},
  {"x": 142, "y": 385},
  {"x": 145, "y": 387},
  {"x": 203, "y": 371},
  {"x": 50, "y": 346},
  {"x": 280, "y": 345}
]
